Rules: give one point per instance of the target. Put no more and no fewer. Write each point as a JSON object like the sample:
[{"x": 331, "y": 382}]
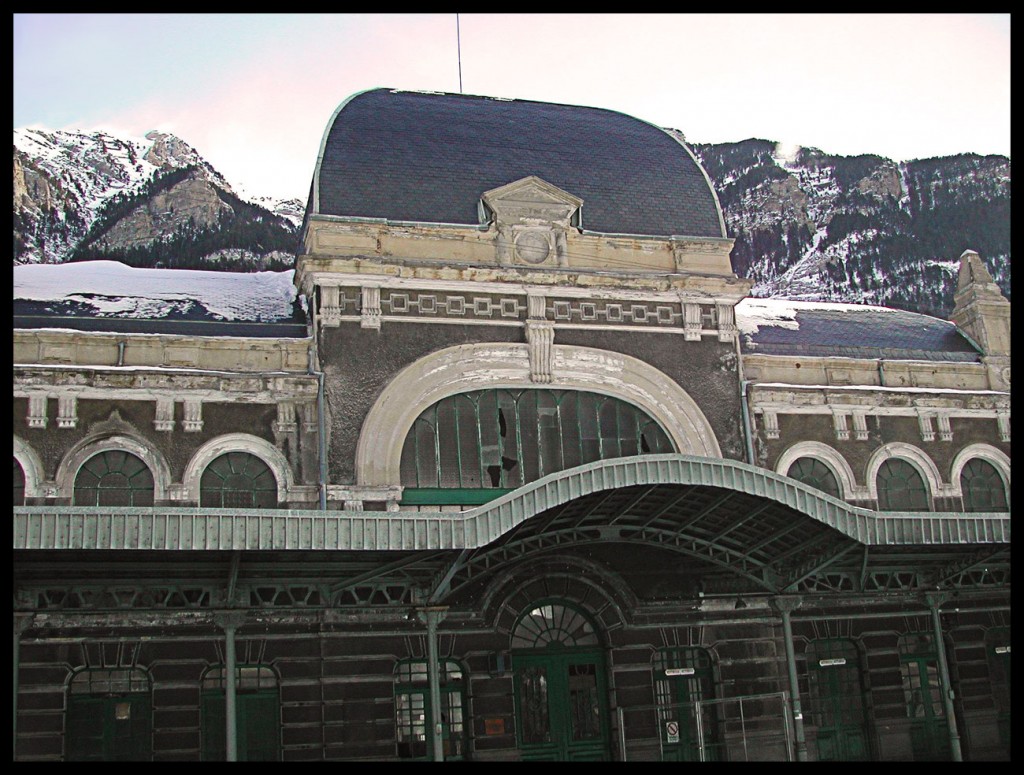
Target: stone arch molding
[
  {"x": 831, "y": 458},
  {"x": 999, "y": 460},
  {"x": 468, "y": 367},
  {"x": 237, "y": 442},
  {"x": 913, "y": 455},
  {"x": 32, "y": 466},
  {"x": 88, "y": 447}
]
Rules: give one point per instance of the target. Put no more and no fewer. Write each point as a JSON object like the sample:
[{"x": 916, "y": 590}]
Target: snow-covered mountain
[
  {"x": 808, "y": 225},
  {"x": 80, "y": 192}
]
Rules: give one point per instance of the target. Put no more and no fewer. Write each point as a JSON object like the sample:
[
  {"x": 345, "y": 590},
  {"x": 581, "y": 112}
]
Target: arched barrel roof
[{"x": 429, "y": 156}]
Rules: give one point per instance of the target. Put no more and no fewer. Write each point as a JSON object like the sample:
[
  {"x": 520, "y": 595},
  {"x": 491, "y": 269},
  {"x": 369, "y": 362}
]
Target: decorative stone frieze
[
  {"x": 193, "y": 422},
  {"x": 370, "y": 307},
  {"x": 726, "y": 322},
  {"x": 330, "y": 310},
  {"x": 692, "y": 321},
  {"x": 839, "y": 426},
  {"x": 67, "y": 411},
  {"x": 540, "y": 335},
  {"x": 1003, "y": 422},
  {"x": 164, "y": 414},
  {"x": 924, "y": 422},
  {"x": 37, "y": 410},
  {"x": 860, "y": 425}
]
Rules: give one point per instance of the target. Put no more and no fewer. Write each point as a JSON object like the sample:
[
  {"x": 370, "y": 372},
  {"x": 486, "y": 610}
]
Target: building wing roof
[
  {"x": 428, "y": 157},
  {"x": 111, "y": 297},
  {"x": 795, "y": 328}
]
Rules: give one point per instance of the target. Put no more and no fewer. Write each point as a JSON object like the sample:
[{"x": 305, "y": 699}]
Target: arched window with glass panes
[
  {"x": 114, "y": 478},
  {"x": 471, "y": 447},
  {"x": 901, "y": 487},
  {"x": 19, "y": 484},
  {"x": 983, "y": 487},
  {"x": 238, "y": 480},
  {"x": 815, "y": 473}
]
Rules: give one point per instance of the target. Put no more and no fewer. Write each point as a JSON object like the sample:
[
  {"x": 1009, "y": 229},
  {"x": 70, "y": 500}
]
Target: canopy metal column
[
  {"x": 934, "y": 601},
  {"x": 784, "y": 605}
]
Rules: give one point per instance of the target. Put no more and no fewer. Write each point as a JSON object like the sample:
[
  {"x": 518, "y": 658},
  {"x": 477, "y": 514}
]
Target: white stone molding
[
  {"x": 999, "y": 460},
  {"x": 164, "y": 414},
  {"x": 540, "y": 335},
  {"x": 37, "y": 403},
  {"x": 369, "y": 316},
  {"x": 330, "y": 308},
  {"x": 913, "y": 455},
  {"x": 490, "y": 365},
  {"x": 237, "y": 442},
  {"x": 193, "y": 415},
  {"x": 945, "y": 432},
  {"x": 839, "y": 426},
  {"x": 835, "y": 462},
  {"x": 67, "y": 410},
  {"x": 67, "y": 471},
  {"x": 32, "y": 466},
  {"x": 691, "y": 321}
]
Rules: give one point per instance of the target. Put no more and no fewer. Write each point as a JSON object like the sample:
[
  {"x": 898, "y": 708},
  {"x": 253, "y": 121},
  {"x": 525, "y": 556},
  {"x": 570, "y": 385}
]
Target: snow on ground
[{"x": 115, "y": 289}]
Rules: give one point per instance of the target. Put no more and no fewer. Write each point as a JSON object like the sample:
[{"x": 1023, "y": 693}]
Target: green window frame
[
  {"x": 922, "y": 692},
  {"x": 238, "y": 480},
  {"x": 837, "y": 702},
  {"x": 109, "y": 715},
  {"x": 257, "y": 713},
  {"x": 813, "y": 472},
  {"x": 983, "y": 487},
  {"x": 554, "y": 623},
  {"x": 19, "y": 484},
  {"x": 472, "y": 447},
  {"x": 901, "y": 487},
  {"x": 114, "y": 477},
  {"x": 413, "y": 715}
]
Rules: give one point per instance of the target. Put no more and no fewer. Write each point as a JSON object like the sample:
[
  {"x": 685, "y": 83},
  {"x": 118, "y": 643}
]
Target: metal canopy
[{"x": 766, "y": 532}]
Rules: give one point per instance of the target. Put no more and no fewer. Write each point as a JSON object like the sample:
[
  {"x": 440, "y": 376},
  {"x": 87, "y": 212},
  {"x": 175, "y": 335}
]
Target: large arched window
[
  {"x": 983, "y": 487},
  {"x": 504, "y": 438},
  {"x": 815, "y": 473},
  {"x": 19, "y": 484},
  {"x": 901, "y": 487},
  {"x": 238, "y": 480},
  {"x": 114, "y": 478}
]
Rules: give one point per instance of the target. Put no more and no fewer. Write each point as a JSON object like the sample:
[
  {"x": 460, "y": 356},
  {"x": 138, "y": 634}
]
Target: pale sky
[{"x": 253, "y": 92}]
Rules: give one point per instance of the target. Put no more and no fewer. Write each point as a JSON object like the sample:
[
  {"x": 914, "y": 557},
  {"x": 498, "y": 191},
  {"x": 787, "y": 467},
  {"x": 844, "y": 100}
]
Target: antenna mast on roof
[{"x": 458, "y": 44}]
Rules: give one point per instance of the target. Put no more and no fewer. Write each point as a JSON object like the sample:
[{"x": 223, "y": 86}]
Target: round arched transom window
[
  {"x": 901, "y": 487},
  {"x": 238, "y": 480},
  {"x": 815, "y": 473},
  {"x": 114, "y": 478},
  {"x": 983, "y": 487}
]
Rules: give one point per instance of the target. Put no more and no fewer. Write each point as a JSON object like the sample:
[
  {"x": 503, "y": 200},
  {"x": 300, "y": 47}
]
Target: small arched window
[
  {"x": 238, "y": 480},
  {"x": 114, "y": 478},
  {"x": 815, "y": 473},
  {"x": 19, "y": 484},
  {"x": 983, "y": 487},
  {"x": 901, "y": 487},
  {"x": 553, "y": 624}
]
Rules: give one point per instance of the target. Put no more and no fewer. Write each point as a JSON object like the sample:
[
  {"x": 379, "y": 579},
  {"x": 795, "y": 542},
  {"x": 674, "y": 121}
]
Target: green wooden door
[
  {"x": 836, "y": 701},
  {"x": 929, "y": 733},
  {"x": 684, "y": 677},
  {"x": 561, "y": 705},
  {"x": 116, "y": 728},
  {"x": 256, "y": 721}
]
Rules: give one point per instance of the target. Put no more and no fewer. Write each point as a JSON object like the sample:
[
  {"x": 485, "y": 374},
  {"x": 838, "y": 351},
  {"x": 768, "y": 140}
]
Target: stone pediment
[{"x": 532, "y": 201}]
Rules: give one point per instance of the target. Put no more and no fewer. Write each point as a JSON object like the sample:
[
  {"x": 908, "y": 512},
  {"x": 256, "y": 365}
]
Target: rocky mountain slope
[
  {"x": 808, "y": 225},
  {"x": 144, "y": 201},
  {"x": 813, "y": 226}
]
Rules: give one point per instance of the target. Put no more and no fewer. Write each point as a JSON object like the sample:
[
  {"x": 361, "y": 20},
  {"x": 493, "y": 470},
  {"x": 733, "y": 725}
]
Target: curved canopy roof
[{"x": 429, "y": 156}]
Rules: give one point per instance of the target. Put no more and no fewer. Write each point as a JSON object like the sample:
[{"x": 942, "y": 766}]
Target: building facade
[{"x": 512, "y": 469}]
